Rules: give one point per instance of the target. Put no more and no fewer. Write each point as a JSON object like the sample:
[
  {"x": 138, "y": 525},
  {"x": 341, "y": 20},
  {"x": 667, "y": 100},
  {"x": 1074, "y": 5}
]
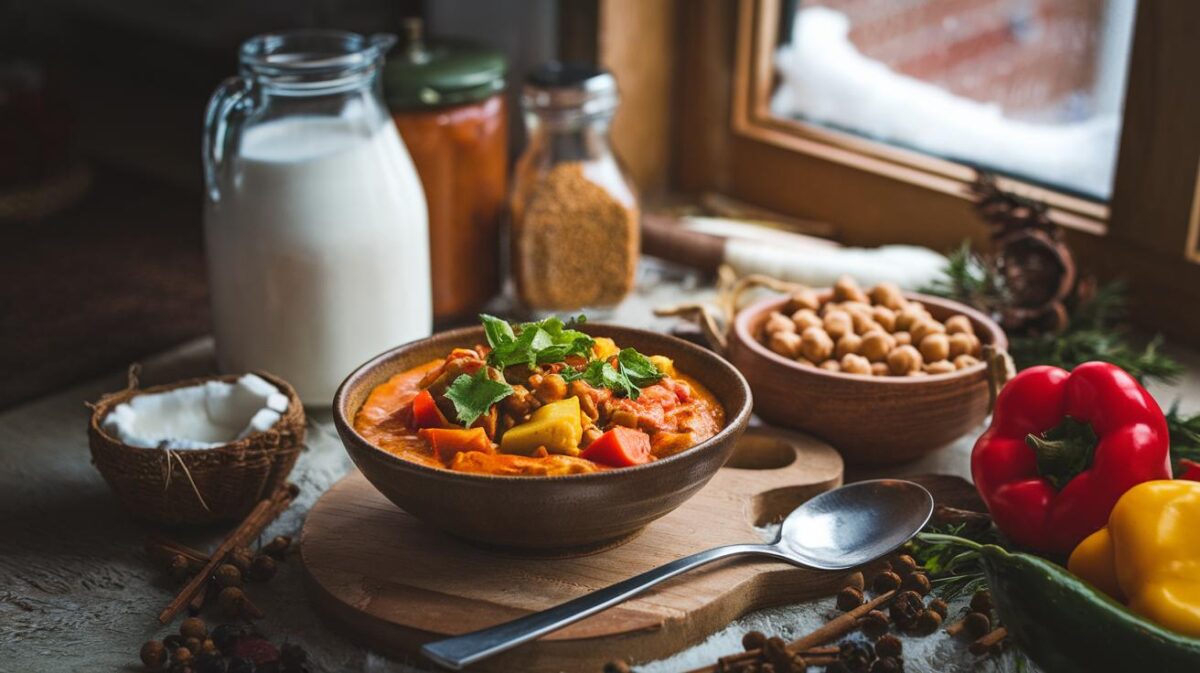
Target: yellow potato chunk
[
  {"x": 665, "y": 364},
  {"x": 555, "y": 426},
  {"x": 604, "y": 348}
]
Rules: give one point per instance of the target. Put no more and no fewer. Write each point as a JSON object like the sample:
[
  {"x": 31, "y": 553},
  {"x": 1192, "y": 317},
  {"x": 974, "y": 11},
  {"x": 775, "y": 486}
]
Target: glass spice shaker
[{"x": 574, "y": 210}]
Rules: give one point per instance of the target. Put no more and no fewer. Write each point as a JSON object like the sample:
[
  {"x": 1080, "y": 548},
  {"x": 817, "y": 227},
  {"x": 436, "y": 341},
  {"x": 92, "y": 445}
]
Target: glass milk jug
[{"x": 315, "y": 220}]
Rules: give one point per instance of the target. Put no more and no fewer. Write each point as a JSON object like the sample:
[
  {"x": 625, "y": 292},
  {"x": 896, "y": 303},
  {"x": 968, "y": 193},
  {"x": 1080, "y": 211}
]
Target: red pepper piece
[
  {"x": 425, "y": 412},
  {"x": 1062, "y": 448},
  {"x": 619, "y": 447},
  {"x": 1190, "y": 470}
]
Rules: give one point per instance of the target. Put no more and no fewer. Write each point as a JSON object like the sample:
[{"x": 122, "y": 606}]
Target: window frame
[{"x": 1147, "y": 233}]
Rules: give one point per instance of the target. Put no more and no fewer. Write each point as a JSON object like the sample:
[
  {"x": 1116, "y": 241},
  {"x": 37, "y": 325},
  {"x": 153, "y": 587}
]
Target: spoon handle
[{"x": 460, "y": 651}]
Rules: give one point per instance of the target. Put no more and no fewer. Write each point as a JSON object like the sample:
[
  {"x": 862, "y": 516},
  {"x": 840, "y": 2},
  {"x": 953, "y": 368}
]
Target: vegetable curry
[{"x": 539, "y": 398}]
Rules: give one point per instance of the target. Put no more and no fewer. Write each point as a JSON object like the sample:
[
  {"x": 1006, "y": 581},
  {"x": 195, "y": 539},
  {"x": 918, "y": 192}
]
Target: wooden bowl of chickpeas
[{"x": 884, "y": 376}]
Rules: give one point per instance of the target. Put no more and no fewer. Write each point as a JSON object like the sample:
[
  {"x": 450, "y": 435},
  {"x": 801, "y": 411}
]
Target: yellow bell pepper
[
  {"x": 556, "y": 426},
  {"x": 1149, "y": 554}
]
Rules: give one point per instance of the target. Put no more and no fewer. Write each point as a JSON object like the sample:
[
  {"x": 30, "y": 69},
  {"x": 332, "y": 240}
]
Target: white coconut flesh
[{"x": 198, "y": 417}]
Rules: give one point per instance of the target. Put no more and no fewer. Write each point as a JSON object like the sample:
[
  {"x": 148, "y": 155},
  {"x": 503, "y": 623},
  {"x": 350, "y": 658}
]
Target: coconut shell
[{"x": 196, "y": 486}]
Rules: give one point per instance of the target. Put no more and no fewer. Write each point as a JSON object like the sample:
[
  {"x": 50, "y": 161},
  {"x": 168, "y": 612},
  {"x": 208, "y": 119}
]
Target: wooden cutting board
[{"x": 393, "y": 583}]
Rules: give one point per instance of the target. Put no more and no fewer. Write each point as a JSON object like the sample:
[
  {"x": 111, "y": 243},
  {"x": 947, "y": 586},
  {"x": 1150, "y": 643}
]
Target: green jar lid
[{"x": 421, "y": 74}]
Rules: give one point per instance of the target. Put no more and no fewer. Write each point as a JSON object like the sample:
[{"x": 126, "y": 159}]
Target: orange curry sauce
[{"x": 382, "y": 423}]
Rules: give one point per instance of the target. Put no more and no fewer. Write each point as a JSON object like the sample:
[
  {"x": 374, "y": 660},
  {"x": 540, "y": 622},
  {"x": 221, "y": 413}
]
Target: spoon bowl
[
  {"x": 840, "y": 529},
  {"x": 854, "y": 524}
]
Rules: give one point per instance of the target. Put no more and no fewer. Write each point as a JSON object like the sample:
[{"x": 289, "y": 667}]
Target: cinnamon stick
[
  {"x": 251, "y": 527},
  {"x": 987, "y": 642},
  {"x": 840, "y": 626}
]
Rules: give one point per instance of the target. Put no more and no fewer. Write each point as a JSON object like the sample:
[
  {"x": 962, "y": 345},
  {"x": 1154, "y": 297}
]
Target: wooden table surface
[{"x": 77, "y": 593}]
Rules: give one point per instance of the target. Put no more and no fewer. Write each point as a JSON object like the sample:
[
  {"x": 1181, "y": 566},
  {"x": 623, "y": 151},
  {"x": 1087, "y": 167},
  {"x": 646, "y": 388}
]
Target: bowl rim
[
  {"x": 741, "y": 328},
  {"x": 348, "y": 434}
]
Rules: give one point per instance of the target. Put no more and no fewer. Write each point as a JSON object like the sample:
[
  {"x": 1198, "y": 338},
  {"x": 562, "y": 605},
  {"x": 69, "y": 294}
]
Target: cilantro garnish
[
  {"x": 633, "y": 372},
  {"x": 534, "y": 343},
  {"x": 473, "y": 395}
]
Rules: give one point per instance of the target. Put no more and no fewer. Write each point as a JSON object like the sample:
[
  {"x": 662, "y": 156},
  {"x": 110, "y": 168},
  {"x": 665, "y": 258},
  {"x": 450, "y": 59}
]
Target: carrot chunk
[
  {"x": 619, "y": 447},
  {"x": 446, "y": 442}
]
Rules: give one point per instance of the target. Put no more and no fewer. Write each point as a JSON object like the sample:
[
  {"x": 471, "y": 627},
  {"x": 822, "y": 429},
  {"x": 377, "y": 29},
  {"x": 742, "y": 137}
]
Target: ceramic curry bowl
[{"x": 545, "y": 514}]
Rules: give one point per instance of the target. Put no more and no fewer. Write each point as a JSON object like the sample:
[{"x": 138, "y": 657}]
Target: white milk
[{"x": 318, "y": 255}]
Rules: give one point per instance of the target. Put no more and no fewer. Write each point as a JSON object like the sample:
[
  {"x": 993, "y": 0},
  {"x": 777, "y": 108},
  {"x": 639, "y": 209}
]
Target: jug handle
[{"x": 230, "y": 97}]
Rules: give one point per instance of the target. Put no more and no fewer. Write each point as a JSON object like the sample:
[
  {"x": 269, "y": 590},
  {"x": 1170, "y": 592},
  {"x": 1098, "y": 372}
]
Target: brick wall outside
[{"x": 1029, "y": 56}]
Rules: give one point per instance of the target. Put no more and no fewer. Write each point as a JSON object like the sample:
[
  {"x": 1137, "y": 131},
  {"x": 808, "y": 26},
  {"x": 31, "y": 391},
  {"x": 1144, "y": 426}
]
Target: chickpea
[
  {"x": 778, "y": 322},
  {"x": 908, "y": 316},
  {"x": 552, "y": 388},
  {"x": 831, "y": 366},
  {"x": 786, "y": 344},
  {"x": 935, "y": 347},
  {"x": 875, "y": 345},
  {"x": 888, "y": 296},
  {"x": 838, "y": 324},
  {"x": 815, "y": 344},
  {"x": 919, "y": 372},
  {"x": 864, "y": 323},
  {"x": 959, "y": 324},
  {"x": 805, "y": 362},
  {"x": 885, "y": 316},
  {"x": 879, "y": 369},
  {"x": 903, "y": 360},
  {"x": 964, "y": 361},
  {"x": 805, "y": 318},
  {"x": 902, "y": 338},
  {"x": 802, "y": 299},
  {"x": 857, "y": 308},
  {"x": 856, "y": 364},
  {"x": 960, "y": 344},
  {"x": 939, "y": 367},
  {"x": 829, "y": 307},
  {"x": 924, "y": 328},
  {"x": 845, "y": 289},
  {"x": 848, "y": 344}
]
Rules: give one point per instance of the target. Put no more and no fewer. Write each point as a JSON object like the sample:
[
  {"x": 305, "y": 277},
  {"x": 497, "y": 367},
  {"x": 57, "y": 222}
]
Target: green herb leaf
[
  {"x": 473, "y": 395},
  {"x": 534, "y": 343},
  {"x": 633, "y": 372}
]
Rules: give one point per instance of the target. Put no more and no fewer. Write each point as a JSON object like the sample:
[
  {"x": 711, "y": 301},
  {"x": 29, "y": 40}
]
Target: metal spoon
[{"x": 836, "y": 530}]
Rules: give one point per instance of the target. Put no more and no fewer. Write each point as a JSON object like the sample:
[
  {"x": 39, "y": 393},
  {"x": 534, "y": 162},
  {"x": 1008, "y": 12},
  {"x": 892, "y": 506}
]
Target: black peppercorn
[
  {"x": 278, "y": 546},
  {"x": 874, "y": 624},
  {"x": 193, "y": 627},
  {"x": 939, "y": 606},
  {"x": 228, "y": 575},
  {"x": 927, "y": 622},
  {"x": 904, "y": 564},
  {"x": 916, "y": 581},
  {"x": 753, "y": 640},
  {"x": 616, "y": 666},
  {"x": 888, "y": 645},
  {"x": 977, "y": 624},
  {"x": 982, "y": 601},
  {"x": 905, "y": 609},
  {"x": 885, "y": 581},
  {"x": 849, "y": 598},
  {"x": 225, "y": 637},
  {"x": 262, "y": 568},
  {"x": 857, "y": 656},
  {"x": 154, "y": 655},
  {"x": 776, "y": 653}
]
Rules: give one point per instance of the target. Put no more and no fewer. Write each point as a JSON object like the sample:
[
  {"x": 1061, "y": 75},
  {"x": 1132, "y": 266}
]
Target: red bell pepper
[
  {"x": 619, "y": 447},
  {"x": 425, "y": 412},
  {"x": 1062, "y": 448}
]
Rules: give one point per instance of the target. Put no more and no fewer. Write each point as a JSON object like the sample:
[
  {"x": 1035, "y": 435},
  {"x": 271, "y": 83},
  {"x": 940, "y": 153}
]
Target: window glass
[{"x": 1029, "y": 88}]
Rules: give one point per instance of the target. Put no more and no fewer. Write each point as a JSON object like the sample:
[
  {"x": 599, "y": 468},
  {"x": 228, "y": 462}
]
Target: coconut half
[
  {"x": 202, "y": 416},
  {"x": 197, "y": 451}
]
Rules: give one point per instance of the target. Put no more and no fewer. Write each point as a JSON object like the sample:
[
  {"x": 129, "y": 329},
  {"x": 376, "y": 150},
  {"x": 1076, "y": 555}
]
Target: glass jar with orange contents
[{"x": 447, "y": 100}]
